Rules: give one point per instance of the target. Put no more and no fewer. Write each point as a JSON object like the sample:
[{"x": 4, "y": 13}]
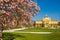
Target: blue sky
[{"x": 49, "y": 7}]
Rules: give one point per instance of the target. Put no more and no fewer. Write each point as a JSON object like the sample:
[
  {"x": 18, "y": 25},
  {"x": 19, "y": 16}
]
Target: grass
[
  {"x": 27, "y": 36},
  {"x": 39, "y": 30}
]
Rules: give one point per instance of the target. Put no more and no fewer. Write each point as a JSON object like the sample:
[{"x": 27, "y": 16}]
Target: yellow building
[{"x": 46, "y": 22}]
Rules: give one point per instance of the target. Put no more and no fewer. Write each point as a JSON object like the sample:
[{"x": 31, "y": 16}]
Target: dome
[{"x": 46, "y": 18}]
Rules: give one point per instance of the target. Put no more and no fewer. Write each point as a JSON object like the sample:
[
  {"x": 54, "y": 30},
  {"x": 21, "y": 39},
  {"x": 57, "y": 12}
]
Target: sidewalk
[
  {"x": 12, "y": 30},
  {"x": 36, "y": 32}
]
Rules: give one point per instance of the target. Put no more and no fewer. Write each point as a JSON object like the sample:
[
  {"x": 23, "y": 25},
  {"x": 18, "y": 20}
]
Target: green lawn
[
  {"x": 27, "y": 36},
  {"x": 40, "y": 30}
]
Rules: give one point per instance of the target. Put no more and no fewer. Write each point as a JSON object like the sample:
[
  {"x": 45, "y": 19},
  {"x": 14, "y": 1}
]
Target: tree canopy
[{"x": 14, "y": 12}]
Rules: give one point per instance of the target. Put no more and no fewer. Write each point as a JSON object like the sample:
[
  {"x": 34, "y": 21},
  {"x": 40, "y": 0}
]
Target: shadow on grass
[
  {"x": 11, "y": 36},
  {"x": 18, "y": 36},
  {"x": 55, "y": 36}
]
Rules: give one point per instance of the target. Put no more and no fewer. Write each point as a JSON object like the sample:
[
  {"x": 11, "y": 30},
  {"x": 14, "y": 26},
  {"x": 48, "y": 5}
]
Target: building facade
[{"x": 46, "y": 22}]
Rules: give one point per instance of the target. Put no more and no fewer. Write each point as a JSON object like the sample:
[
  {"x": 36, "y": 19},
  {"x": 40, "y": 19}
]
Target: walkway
[
  {"x": 13, "y": 30},
  {"x": 36, "y": 32}
]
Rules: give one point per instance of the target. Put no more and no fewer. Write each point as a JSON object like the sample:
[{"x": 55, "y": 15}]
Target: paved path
[
  {"x": 12, "y": 30},
  {"x": 36, "y": 32}
]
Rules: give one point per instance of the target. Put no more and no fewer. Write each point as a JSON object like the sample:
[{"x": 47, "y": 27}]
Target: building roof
[{"x": 46, "y": 18}]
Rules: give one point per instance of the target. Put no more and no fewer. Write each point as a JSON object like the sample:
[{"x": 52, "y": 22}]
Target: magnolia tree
[{"x": 17, "y": 12}]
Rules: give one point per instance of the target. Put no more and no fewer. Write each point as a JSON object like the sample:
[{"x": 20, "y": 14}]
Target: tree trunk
[
  {"x": 1, "y": 31},
  {"x": 1, "y": 35}
]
